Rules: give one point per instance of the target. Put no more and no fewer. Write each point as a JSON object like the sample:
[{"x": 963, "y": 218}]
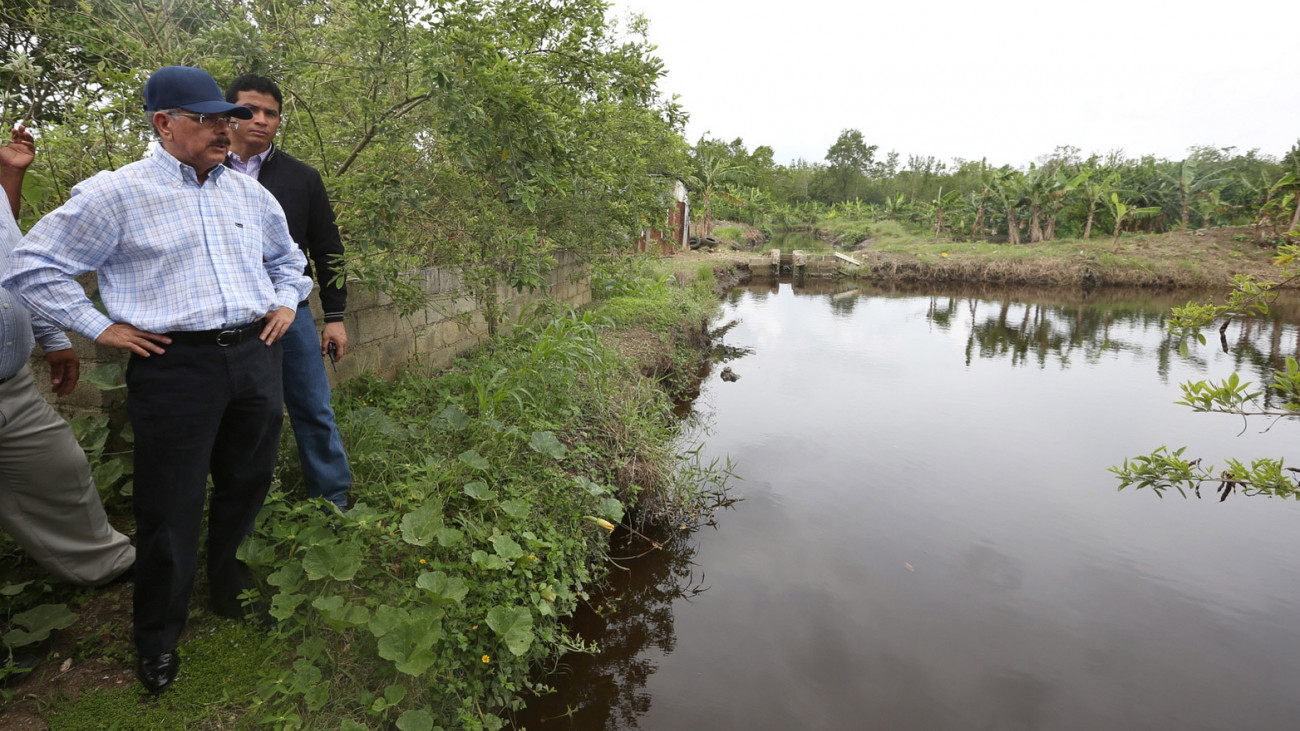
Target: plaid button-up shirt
[{"x": 171, "y": 254}]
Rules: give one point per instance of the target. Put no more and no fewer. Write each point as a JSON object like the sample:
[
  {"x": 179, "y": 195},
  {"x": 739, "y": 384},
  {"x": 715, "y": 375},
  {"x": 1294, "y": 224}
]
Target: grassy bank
[
  {"x": 484, "y": 497},
  {"x": 1199, "y": 259},
  {"x": 892, "y": 251}
]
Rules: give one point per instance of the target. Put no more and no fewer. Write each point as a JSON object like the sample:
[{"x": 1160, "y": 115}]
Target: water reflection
[
  {"x": 633, "y": 625},
  {"x": 929, "y": 538}
]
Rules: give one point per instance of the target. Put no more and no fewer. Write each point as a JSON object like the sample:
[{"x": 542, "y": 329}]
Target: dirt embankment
[{"x": 1177, "y": 259}]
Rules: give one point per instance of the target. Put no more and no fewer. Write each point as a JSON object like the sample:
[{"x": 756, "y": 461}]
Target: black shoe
[
  {"x": 19, "y": 666},
  {"x": 157, "y": 672}
]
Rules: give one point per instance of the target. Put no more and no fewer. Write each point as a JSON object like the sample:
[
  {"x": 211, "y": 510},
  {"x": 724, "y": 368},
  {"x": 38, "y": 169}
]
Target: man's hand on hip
[
  {"x": 122, "y": 335},
  {"x": 277, "y": 324},
  {"x": 334, "y": 332},
  {"x": 65, "y": 369}
]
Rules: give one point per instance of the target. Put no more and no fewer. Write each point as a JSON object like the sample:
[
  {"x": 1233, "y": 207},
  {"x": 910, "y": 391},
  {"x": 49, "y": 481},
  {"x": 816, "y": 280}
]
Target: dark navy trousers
[{"x": 195, "y": 410}]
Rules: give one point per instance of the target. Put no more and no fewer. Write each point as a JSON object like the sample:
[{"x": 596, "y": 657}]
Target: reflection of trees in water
[
  {"x": 633, "y": 619},
  {"x": 1039, "y": 334}
]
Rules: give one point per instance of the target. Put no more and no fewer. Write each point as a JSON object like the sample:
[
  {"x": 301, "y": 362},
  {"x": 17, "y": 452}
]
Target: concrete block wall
[{"x": 379, "y": 340}]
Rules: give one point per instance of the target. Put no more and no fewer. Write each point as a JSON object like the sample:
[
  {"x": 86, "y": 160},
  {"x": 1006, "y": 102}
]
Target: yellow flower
[
  {"x": 487, "y": 659},
  {"x": 423, "y": 561},
  {"x": 474, "y": 627},
  {"x": 944, "y": 255},
  {"x": 605, "y": 524},
  {"x": 533, "y": 556}
]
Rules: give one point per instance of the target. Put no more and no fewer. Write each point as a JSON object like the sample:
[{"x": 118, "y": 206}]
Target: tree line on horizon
[{"x": 1061, "y": 194}]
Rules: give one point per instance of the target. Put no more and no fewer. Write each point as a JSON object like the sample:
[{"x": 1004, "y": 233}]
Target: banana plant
[
  {"x": 1122, "y": 210},
  {"x": 1096, "y": 188},
  {"x": 1193, "y": 183},
  {"x": 942, "y": 206},
  {"x": 1062, "y": 185}
]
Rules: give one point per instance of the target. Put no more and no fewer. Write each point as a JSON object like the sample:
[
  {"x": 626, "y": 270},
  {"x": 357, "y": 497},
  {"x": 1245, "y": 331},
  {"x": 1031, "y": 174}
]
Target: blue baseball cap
[{"x": 189, "y": 88}]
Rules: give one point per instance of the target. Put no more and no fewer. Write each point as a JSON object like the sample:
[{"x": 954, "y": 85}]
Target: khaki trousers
[{"x": 48, "y": 501}]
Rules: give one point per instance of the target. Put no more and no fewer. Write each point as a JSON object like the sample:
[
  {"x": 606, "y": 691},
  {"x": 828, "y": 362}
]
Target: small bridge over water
[{"x": 796, "y": 263}]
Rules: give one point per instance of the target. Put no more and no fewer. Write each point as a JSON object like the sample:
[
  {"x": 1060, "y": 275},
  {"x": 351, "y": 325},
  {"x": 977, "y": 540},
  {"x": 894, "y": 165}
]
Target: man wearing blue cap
[{"x": 199, "y": 278}]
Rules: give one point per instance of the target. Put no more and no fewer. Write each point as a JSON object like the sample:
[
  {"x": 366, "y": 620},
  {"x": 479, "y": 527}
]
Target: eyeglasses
[{"x": 208, "y": 120}]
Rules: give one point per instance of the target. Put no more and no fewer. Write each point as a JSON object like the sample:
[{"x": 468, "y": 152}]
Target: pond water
[{"x": 928, "y": 537}]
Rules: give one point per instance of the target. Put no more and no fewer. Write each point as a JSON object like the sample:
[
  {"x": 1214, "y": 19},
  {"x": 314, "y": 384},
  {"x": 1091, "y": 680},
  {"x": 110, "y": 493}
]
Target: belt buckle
[{"x": 234, "y": 335}]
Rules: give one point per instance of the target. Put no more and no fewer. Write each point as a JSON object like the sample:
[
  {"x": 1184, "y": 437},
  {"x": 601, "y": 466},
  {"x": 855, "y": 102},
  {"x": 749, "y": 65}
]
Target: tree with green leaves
[
  {"x": 1008, "y": 190},
  {"x": 479, "y": 136},
  {"x": 850, "y": 157},
  {"x": 1122, "y": 211},
  {"x": 1194, "y": 181},
  {"x": 714, "y": 175}
]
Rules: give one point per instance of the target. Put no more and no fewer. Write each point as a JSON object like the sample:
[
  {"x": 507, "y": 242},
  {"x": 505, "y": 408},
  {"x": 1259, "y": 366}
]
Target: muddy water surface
[{"x": 929, "y": 538}]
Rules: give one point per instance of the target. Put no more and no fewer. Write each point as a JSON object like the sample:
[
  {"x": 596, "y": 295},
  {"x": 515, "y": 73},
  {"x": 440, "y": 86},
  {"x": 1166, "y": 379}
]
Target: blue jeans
[{"x": 325, "y": 467}]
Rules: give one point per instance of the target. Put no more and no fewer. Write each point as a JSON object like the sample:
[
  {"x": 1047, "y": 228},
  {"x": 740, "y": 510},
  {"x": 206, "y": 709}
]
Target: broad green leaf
[
  {"x": 611, "y": 508},
  {"x": 448, "y": 537},
  {"x": 13, "y": 589},
  {"x": 38, "y": 623},
  {"x": 453, "y": 418},
  {"x": 287, "y": 577},
  {"x": 350, "y": 725},
  {"x": 545, "y": 442},
  {"x": 407, "y": 642},
  {"x": 107, "y": 473},
  {"x": 337, "y": 561},
  {"x": 474, "y": 460},
  {"x": 449, "y": 588},
  {"x": 592, "y": 488},
  {"x": 105, "y": 378},
  {"x": 307, "y": 675},
  {"x": 255, "y": 552},
  {"x": 312, "y": 647},
  {"x": 315, "y": 696},
  {"x": 479, "y": 490},
  {"x": 394, "y": 694},
  {"x": 514, "y": 625},
  {"x": 386, "y": 618},
  {"x": 283, "y": 605},
  {"x": 415, "y": 719},
  {"x": 487, "y": 560},
  {"x": 507, "y": 548},
  {"x": 517, "y": 509},
  {"x": 421, "y": 526}
]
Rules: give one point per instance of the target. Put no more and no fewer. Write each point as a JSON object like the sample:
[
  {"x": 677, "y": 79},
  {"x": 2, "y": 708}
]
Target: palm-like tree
[
  {"x": 714, "y": 175},
  {"x": 1008, "y": 189},
  {"x": 1193, "y": 183}
]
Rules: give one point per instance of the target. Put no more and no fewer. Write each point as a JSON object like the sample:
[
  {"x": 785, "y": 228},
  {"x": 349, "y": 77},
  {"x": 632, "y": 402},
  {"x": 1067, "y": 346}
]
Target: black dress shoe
[
  {"x": 158, "y": 671},
  {"x": 16, "y": 669}
]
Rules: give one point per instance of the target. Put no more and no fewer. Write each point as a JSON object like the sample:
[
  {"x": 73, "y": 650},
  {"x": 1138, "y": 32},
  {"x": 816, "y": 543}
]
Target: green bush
[{"x": 734, "y": 234}]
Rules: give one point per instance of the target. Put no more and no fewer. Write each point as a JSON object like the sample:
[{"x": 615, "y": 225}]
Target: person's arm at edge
[{"x": 14, "y": 159}]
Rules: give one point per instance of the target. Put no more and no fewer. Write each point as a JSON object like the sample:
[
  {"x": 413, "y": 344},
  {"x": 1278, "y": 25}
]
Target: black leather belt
[{"x": 225, "y": 337}]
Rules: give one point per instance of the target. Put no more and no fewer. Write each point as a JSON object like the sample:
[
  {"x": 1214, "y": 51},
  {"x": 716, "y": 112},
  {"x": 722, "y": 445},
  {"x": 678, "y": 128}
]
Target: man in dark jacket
[{"x": 301, "y": 192}]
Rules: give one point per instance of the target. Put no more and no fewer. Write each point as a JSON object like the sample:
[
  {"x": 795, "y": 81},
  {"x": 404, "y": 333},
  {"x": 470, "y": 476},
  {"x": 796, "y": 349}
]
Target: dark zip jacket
[{"x": 301, "y": 193}]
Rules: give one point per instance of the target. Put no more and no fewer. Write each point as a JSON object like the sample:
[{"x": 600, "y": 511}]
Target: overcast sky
[{"x": 1009, "y": 80}]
